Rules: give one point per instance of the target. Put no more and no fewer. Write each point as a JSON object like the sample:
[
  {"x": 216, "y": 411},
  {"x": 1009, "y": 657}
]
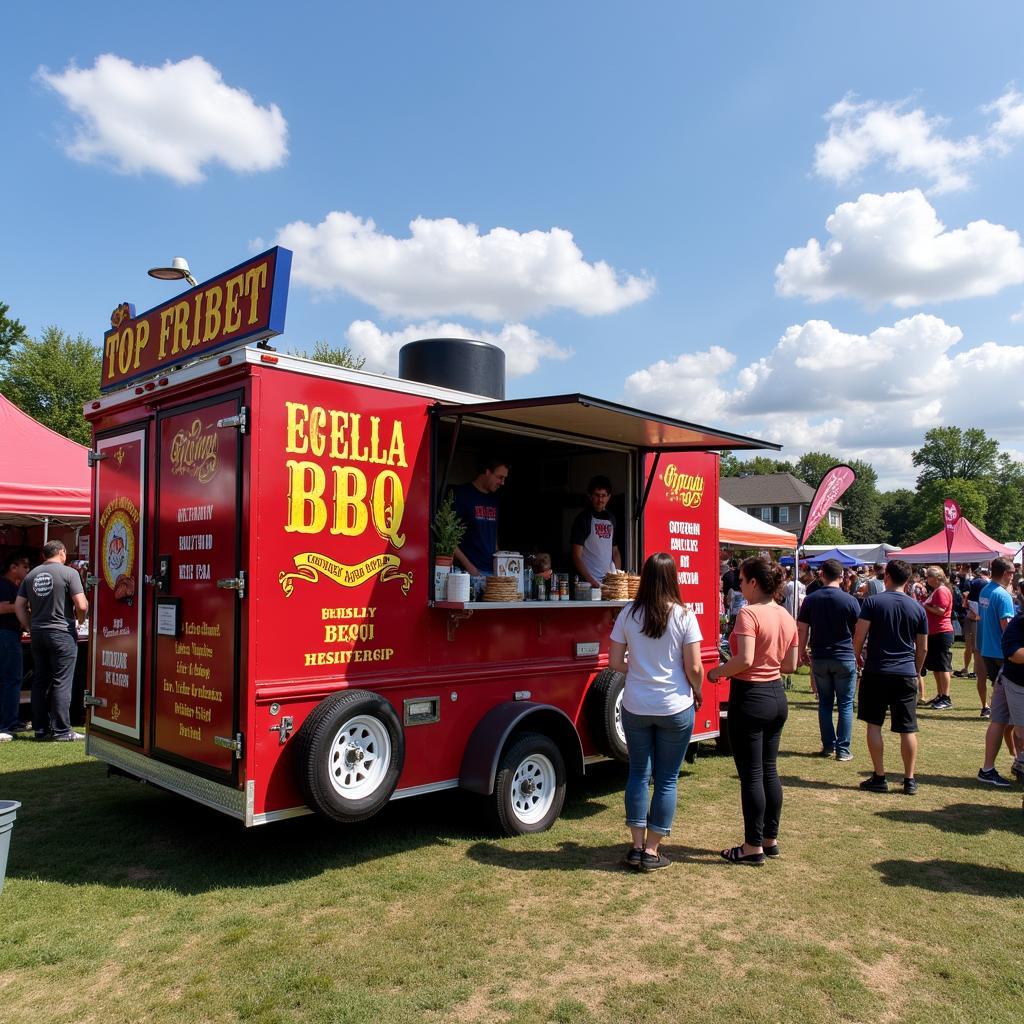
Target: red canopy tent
[
  {"x": 969, "y": 545},
  {"x": 44, "y": 477}
]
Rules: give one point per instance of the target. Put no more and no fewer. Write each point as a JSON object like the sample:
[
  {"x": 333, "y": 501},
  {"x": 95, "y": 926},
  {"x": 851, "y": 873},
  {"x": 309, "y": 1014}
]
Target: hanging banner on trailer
[
  {"x": 117, "y": 606},
  {"x": 244, "y": 304}
]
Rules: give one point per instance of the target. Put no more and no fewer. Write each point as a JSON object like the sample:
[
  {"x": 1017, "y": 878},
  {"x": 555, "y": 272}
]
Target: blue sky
[{"x": 608, "y": 191}]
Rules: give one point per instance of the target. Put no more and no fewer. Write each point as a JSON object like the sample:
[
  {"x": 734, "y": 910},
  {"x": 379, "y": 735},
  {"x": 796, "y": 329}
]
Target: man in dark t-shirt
[
  {"x": 14, "y": 567},
  {"x": 49, "y": 604},
  {"x": 896, "y": 648},
  {"x": 476, "y": 504},
  {"x": 830, "y": 615},
  {"x": 1012, "y": 682}
]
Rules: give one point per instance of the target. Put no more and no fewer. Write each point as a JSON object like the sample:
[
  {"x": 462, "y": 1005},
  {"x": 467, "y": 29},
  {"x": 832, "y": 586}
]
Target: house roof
[{"x": 769, "y": 489}]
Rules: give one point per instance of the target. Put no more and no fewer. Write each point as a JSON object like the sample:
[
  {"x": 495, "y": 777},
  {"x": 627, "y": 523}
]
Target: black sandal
[{"x": 734, "y": 855}]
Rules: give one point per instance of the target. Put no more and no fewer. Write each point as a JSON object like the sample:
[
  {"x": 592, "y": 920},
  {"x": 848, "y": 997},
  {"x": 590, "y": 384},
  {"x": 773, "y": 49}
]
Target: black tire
[
  {"x": 350, "y": 780},
  {"x": 530, "y": 760},
  {"x": 605, "y": 704}
]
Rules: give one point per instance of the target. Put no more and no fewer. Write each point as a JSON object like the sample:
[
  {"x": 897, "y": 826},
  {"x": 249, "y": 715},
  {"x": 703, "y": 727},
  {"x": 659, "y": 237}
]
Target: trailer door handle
[{"x": 236, "y": 583}]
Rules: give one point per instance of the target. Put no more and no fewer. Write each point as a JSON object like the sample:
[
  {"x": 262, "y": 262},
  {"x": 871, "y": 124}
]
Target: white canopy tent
[{"x": 738, "y": 529}]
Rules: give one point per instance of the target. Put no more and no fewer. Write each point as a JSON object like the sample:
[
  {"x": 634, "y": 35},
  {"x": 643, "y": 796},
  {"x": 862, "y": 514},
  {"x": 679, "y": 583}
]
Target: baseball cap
[{"x": 985, "y": 570}]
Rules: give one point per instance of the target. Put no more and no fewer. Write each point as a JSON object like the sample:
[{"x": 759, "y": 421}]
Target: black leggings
[{"x": 757, "y": 713}]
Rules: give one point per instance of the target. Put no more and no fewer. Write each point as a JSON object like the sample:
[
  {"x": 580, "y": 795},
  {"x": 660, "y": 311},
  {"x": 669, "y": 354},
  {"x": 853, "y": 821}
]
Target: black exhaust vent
[{"x": 475, "y": 367}]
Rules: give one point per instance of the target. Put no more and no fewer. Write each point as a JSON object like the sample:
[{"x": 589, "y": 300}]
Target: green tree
[
  {"x": 1005, "y": 519},
  {"x": 759, "y": 465},
  {"x": 324, "y": 352},
  {"x": 12, "y": 333},
  {"x": 949, "y": 453},
  {"x": 970, "y": 495},
  {"x": 826, "y": 533},
  {"x": 897, "y": 516},
  {"x": 862, "y": 504},
  {"x": 51, "y": 378}
]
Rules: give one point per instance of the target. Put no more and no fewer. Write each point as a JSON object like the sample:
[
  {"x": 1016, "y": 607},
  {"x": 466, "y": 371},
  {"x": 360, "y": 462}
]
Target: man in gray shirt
[{"x": 50, "y": 604}]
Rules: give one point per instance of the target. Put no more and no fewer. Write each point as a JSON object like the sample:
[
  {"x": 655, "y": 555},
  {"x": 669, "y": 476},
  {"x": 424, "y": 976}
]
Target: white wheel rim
[
  {"x": 533, "y": 789},
  {"x": 359, "y": 757},
  {"x": 620, "y": 729}
]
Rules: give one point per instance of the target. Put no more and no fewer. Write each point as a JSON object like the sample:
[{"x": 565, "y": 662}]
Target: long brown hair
[{"x": 658, "y": 591}]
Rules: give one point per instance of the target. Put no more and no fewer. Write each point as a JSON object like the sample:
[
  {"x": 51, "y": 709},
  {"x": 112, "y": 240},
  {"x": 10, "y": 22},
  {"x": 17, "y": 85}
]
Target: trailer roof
[{"x": 596, "y": 419}]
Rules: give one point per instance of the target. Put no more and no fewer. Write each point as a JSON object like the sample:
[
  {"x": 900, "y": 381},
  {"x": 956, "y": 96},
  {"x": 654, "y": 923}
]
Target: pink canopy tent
[
  {"x": 969, "y": 545},
  {"x": 44, "y": 477}
]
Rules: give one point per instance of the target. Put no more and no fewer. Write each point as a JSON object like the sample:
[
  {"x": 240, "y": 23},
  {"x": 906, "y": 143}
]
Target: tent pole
[{"x": 46, "y": 529}]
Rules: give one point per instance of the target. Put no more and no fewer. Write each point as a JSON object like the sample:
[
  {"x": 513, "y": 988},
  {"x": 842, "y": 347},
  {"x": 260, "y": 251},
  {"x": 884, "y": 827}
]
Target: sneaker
[
  {"x": 68, "y": 737},
  {"x": 986, "y": 712},
  {"x": 5, "y": 737},
  {"x": 844, "y": 755},
  {"x": 928, "y": 703},
  {"x": 826, "y": 752},
  {"x": 960, "y": 673},
  {"x": 875, "y": 784},
  {"x": 21, "y": 727},
  {"x": 909, "y": 787},
  {"x": 632, "y": 858},
  {"x": 1017, "y": 769},
  {"x": 992, "y": 777},
  {"x": 653, "y": 861},
  {"x": 941, "y": 704},
  {"x": 42, "y": 735}
]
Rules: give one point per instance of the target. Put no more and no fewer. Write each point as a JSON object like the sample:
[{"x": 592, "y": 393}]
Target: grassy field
[{"x": 126, "y": 904}]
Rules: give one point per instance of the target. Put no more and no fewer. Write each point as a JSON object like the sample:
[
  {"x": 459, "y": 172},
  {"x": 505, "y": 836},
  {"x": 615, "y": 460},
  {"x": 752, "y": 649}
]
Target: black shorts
[
  {"x": 940, "y": 652},
  {"x": 881, "y": 692},
  {"x": 993, "y": 666}
]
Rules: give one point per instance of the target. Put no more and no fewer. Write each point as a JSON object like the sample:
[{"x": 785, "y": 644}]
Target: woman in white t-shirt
[{"x": 664, "y": 677}]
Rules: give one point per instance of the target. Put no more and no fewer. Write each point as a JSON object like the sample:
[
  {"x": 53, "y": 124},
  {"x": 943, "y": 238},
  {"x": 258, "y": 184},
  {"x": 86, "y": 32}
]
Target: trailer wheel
[
  {"x": 529, "y": 789},
  {"x": 351, "y": 751},
  {"x": 606, "y": 714}
]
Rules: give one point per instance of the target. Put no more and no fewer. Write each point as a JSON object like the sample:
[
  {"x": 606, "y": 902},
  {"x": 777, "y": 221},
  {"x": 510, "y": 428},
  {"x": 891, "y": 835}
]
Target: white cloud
[
  {"x": 893, "y": 248},
  {"x": 870, "y": 397},
  {"x": 524, "y": 348},
  {"x": 446, "y": 268},
  {"x": 907, "y": 140},
  {"x": 173, "y": 120},
  {"x": 1010, "y": 124}
]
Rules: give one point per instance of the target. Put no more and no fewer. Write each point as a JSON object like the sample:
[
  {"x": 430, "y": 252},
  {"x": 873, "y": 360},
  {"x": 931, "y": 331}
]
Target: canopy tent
[
  {"x": 969, "y": 545},
  {"x": 737, "y": 528},
  {"x": 839, "y": 554},
  {"x": 867, "y": 553},
  {"x": 44, "y": 477}
]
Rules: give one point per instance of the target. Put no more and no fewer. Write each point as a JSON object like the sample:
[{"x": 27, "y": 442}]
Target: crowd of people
[{"x": 868, "y": 639}]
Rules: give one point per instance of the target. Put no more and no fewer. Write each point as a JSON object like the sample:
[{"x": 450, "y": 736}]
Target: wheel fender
[{"x": 480, "y": 760}]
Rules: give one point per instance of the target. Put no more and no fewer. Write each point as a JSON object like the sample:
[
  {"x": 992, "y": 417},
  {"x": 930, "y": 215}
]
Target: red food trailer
[{"x": 266, "y": 639}]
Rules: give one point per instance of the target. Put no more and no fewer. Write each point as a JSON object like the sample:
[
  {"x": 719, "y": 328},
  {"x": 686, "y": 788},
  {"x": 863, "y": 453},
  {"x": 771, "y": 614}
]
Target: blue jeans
[
  {"x": 11, "y": 674},
  {"x": 655, "y": 742},
  {"x": 836, "y": 680}
]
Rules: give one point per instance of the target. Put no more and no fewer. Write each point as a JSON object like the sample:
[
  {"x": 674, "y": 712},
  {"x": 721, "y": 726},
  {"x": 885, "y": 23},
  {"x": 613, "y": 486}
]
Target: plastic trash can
[{"x": 8, "y": 812}]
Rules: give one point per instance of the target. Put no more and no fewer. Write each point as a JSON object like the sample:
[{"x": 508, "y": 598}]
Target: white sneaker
[
  {"x": 5, "y": 737},
  {"x": 68, "y": 737}
]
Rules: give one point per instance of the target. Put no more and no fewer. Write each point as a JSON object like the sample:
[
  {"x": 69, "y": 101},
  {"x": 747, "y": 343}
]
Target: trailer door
[
  {"x": 681, "y": 518},
  {"x": 118, "y": 603},
  {"x": 200, "y": 584}
]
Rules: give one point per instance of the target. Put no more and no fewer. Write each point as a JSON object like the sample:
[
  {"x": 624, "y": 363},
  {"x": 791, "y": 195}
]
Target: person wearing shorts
[
  {"x": 895, "y": 629},
  {"x": 939, "y": 660},
  {"x": 1012, "y": 685}
]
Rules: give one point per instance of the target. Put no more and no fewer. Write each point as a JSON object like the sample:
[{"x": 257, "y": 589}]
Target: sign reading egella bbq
[{"x": 242, "y": 305}]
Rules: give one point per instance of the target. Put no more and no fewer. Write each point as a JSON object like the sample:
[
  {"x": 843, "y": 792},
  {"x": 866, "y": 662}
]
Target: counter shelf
[{"x": 486, "y": 606}]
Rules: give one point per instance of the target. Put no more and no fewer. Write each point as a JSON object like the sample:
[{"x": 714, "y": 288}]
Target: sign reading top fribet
[{"x": 244, "y": 304}]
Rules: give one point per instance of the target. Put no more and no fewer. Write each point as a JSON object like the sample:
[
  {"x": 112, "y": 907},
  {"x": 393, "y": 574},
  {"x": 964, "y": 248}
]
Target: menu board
[
  {"x": 197, "y": 545},
  {"x": 117, "y": 603},
  {"x": 681, "y": 518}
]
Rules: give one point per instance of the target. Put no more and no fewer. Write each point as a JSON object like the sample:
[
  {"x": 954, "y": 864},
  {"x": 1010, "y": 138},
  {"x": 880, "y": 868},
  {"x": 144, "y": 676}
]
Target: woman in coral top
[{"x": 764, "y": 647}]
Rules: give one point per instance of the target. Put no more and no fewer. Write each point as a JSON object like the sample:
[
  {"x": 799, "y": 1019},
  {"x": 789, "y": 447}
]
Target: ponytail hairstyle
[
  {"x": 935, "y": 572},
  {"x": 769, "y": 576},
  {"x": 657, "y": 593}
]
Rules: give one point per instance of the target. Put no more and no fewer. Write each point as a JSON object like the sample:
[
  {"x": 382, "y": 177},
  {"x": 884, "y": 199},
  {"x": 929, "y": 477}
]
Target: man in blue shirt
[
  {"x": 476, "y": 504},
  {"x": 996, "y": 608},
  {"x": 896, "y": 647},
  {"x": 830, "y": 616}
]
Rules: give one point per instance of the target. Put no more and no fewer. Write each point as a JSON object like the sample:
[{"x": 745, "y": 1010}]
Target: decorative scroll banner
[{"x": 311, "y": 565}]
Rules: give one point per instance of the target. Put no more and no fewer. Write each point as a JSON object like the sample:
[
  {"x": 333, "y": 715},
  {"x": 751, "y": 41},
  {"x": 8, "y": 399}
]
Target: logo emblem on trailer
[{"x": 194, "y": 452}]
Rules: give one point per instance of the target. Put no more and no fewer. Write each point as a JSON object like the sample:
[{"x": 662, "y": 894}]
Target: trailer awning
[{"x": 595, "y": 419}]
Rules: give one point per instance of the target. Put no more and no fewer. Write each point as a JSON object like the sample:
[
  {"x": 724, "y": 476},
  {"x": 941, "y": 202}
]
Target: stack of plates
[
  {"x": 614, "y": 587},
  {"x": 501, "y": 588},
  {"x": 632, "y": 585}
]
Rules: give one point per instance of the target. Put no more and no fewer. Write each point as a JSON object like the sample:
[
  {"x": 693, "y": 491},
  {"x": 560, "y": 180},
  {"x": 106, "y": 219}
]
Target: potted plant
[{"x": 448, "y": 532}]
